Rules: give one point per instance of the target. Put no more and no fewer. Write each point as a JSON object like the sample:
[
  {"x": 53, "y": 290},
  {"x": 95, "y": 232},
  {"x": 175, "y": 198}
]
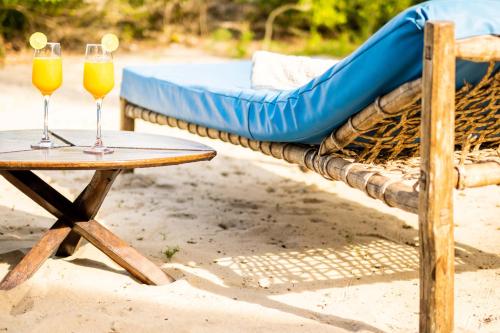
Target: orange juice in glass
[
  {"x": 98, "y": 77},
  {"x": 47, "y": 77},
  {"x": 98, "y": 80},
  {"x": 47, "y": 74}
]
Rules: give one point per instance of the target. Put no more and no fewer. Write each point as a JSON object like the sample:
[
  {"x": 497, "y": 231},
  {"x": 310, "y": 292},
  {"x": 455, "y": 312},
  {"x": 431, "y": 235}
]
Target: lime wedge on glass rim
[
  {"x": 110, "y": 42},
  {"x": 38, "y": 40}
]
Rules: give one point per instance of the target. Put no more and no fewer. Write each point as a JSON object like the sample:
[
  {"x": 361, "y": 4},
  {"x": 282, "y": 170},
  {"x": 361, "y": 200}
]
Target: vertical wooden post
[
  {"x": 126, "y": 123},
  {"x": 436, "y": 182}
]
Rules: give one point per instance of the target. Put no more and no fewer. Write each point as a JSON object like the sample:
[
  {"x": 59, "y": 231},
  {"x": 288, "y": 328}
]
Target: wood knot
[{"x": 428, "y": 52}]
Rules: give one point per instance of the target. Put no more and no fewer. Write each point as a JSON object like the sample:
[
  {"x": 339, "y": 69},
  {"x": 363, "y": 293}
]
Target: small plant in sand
[{"x": 170, "y": 251}]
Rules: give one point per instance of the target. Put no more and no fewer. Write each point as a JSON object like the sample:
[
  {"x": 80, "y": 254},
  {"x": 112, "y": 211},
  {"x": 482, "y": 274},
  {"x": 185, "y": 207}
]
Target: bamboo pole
[
  {"x": 476, "y": 175},
  {"x": 387, "y": 106},
  {"x": 394, "y": 193},
  {"x": 466, "y": 176},
  {"x": 126, "y": 123},
  {"x": 436, "y": 182},
  {"x": 479, "y": 49}
]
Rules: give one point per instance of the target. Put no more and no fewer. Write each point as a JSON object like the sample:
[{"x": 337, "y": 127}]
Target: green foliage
[
  {"x": 360, "y": 18},
  {"x": 346, "y": 23},
  {"x": 243, "y": 43},
  {"x": 337, "y": 47},
  {"x": 170, "y": 251},
  {"x": 327, "y": 13},
  {"x": 19, "y": 18},
  {"x": 222, "y": 35},
  {"x": 331, "y": 26}
]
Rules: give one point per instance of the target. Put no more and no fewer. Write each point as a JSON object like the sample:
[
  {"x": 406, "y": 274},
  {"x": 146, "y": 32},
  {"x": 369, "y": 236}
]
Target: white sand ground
[{"x": 264, "y": 247}]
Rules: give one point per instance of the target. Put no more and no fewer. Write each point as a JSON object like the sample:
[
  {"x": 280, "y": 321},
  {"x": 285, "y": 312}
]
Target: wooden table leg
[
  {"x": 34, "y": 259},
  {"x": 40, "y": 192},
  {"x": 88, "y": 204},
  {"x": 84, "y": 208},
  {"x": 74, "y": 221},
  {"x": 56, "y": 204},
  {"x": 122, "y": 253}
]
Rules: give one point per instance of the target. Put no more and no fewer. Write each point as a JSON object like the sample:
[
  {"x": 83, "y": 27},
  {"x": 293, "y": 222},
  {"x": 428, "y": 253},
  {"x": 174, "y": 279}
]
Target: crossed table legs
[{"x": 76, "y": 220}]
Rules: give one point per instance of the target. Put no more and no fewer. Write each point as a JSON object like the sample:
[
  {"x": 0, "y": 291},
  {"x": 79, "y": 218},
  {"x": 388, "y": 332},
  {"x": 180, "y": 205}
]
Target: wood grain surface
[
  {"x": 436, "y": 181},
  {"x": 132, "y": 150}
]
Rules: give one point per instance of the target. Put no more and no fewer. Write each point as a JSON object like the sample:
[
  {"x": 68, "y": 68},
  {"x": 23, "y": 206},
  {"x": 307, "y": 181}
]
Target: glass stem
[
  {"x": 46, "y": 99},
  {"x": 98, "y": 142}
]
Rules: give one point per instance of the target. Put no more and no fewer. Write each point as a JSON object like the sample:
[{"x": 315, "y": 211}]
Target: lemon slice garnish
[
  {"x": 38, "y": 40},
  {"x": 110, "y": 42}
]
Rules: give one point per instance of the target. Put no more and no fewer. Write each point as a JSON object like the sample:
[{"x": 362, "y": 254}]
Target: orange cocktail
[
  {"x": 46, "y": 76},
  {"x": 98, "y": 80},
  {"x": 98, "y": 77}
]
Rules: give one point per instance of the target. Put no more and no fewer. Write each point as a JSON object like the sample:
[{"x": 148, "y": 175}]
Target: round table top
[{"x": 131, "y": 150}]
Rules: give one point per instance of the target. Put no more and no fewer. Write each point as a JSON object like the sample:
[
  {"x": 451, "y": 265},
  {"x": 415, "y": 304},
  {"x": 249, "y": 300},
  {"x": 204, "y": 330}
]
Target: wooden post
[
  {"x": 436, "y": 182},
  {"x": 126, "y": 123}
]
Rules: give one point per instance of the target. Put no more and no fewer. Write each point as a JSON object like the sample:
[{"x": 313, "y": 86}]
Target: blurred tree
[
  {"x": 302, "y": 7},
  {"x": 332, "y": 17},
  {"x": 19, "y": 18},
  {"x": 74, "y": 22},
  {"x": 347, "y": 22}
]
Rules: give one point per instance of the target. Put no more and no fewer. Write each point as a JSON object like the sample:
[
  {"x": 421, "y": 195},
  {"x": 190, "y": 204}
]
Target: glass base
[
  {"x": 98, "y": 150},
  {"x": 43, "y": 144}
]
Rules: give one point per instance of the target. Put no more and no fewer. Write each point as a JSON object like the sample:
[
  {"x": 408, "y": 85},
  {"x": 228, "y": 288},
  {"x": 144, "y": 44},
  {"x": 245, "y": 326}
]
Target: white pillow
[{"x": 283, "y": 72}]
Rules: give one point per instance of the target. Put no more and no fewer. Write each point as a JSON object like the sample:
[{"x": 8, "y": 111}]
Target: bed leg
[
  {"x": 436, "y": 181},
  {"x": 126, "y": 123}
]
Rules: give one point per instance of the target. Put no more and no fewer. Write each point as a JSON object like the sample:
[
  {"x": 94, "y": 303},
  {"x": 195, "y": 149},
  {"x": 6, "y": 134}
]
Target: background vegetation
[{"x": 233, "y": 27}]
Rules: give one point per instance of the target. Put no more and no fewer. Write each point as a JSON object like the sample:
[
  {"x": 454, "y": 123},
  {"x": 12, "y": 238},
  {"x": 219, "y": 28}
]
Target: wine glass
[
  {"x": 47, "y": 77},
  {"x": 98, "y": 80}
]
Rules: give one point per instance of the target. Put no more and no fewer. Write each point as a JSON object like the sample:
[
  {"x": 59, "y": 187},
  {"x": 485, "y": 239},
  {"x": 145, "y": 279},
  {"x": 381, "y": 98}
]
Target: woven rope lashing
[
  {"x": 389, "y": 127},
  {"x": 384, "y": 107}
]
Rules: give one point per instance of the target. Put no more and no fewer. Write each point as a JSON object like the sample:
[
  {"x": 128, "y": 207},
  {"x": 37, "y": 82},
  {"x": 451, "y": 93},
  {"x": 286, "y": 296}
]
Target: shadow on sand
[{"x": 310, "y": 240}]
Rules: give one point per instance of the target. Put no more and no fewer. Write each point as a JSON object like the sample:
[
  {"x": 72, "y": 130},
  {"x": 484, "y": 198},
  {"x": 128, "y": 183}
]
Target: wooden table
[{"x": 75, "y": 219}]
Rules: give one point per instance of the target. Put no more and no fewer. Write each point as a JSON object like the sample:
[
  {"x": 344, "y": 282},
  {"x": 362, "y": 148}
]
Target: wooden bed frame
[{"x": 451, "y": 138}]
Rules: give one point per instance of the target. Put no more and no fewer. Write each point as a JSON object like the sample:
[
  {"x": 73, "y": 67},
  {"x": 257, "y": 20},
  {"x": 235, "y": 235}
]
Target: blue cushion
[{"x": 219, "y": 95}]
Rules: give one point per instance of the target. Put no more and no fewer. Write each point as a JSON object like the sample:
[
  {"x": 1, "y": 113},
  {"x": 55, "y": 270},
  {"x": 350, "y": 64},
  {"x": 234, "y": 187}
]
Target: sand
[{"x": 263, "y": 246}]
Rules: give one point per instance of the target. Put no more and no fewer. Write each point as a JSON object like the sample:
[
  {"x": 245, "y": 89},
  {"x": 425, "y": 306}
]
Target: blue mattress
[{"x": 220, "y": 96}]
